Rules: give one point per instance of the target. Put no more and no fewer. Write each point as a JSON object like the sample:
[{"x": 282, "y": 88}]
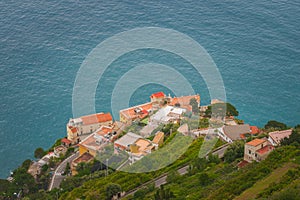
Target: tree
[
  {"x": 204, "y": 179},
  {"x": 83, "y": 169},
  {"x": 24, "y": 181},
  {"x": 140, "y": 194},
  {"x": 194, "y": 104},
  {"x": 293, "y": 139},
  {"x": 213, "y": 159},
  {"x": 200, "y": 163},
  {"x": 51, "y": 162},
  {"x": 112, "y": 189},
  {"x": 234, "y": 151},
  {"x": 67, "y": 169},
  {"x": 39, "y": 153},
  {"x": 163, "y": 194},
  {"x": 272, "y": 124},
  {"x": 204, "y": 123},
  {"x": 173, "y": 176},
  {"x": 221, "y": 110},
  {"x": 26, "y": 164}
]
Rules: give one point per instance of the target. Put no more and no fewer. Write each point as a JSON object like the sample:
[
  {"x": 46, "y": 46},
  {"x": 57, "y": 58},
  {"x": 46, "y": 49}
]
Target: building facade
[
  {"x": 86, "y": 125},
  {"x": 257, "y": 150}
]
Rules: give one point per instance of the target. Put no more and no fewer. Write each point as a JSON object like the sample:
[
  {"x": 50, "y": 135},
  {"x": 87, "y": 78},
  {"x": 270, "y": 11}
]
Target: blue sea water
[{"x": 255, "y": 45}]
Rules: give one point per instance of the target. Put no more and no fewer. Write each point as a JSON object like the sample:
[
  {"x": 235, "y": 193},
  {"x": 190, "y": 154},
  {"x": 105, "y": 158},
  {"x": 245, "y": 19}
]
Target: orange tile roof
[
  {"x": 265, "y": 149},
  {"x": 256, "y": 142},
  {"x": 158, "y": 95},
  {"x": 242, "y": 164},
  {"x": 66, "y": 141},
  {"x": 90, "y": 143},
  {"x": 104, "y": 130},
  {"x": 143, "y": 144},
  {"x": 254, "y": 129},
  {"x": 104, "y": 117},
  {"x": 73, "y": 129},
  {"x": 143, "y": 147},
  {"x": 96, "y": 118},
  {"x": 131, "y": 114}
]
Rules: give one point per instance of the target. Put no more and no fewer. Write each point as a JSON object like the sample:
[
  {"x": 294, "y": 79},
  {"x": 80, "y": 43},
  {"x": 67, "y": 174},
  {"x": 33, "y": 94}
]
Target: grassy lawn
[{"x": 264, "y": 183}]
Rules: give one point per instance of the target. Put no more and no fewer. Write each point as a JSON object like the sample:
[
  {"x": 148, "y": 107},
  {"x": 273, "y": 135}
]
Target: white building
[
  {"x": 276, "y": 136},
  {"x": 166, "y": 115}
]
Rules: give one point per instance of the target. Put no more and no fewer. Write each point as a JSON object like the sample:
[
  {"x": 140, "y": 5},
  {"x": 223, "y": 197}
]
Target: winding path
[{"x": 57, "y": 176}]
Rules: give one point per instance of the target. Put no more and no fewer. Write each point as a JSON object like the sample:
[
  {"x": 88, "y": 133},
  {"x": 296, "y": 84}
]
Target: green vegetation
[
  {"x": 291, "y": 192},
  {"x": 167, "y": 154},
  {"x": 275, "y": 125},
  {"x": 294, "y": 138},
  {"x": 269, "y": 184},
  {"x": 239, "y": 121},
  {"x": 219, "y": 109},
  {"x": 39, "y": 153},
  {"x": 204, "y": 179},
  {"x": 169, "y": 128},
  {"x": 140, "y": 194},
  {"x": 26, "y": 184},
  {"x": 22, "y": 182},
  {"x": 111, "y": 190},
  {"x": 291, "y": 173},
  {"x": 173, "y": 175},
  {"x": 234, "y": 151},
  {"x": 57, "y": 143},
  {"x": 194, "y": 122},
  {"x": 163, "y": 194},
  {"x": 212, "y": 179}
]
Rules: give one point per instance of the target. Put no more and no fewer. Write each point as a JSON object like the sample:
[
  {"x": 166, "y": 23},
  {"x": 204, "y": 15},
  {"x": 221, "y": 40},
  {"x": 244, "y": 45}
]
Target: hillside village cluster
[{"x": 92, "y": 133}]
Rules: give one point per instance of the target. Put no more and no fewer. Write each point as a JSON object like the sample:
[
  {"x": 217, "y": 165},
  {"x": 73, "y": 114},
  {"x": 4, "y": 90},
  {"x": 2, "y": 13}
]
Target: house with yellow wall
[{"x": 86, "y": 125}]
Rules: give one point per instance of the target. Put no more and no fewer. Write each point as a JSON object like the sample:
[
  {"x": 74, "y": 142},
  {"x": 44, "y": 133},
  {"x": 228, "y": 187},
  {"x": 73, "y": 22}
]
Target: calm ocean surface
[{"x": 255, "y": 45}]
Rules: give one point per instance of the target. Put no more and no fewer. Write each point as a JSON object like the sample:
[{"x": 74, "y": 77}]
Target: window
[{"x": 249, "y": 151}]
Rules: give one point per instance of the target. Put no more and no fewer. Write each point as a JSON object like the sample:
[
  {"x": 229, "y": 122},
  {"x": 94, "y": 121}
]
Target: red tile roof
[
  {"x": 131, "y": 114},
  {"x": 66, "y": 141},
  {"x": 96, "y": 118},
  {"x": 73, "y": 129},
  {"x": 158, "y": 95},
  {"x": 256, "y": 142},
  {"x": 104, "y": 130},
  {"x": 242, "y": 164},
  {"x": 254, "y": 129},
  {"x": 265, "y": 149}
]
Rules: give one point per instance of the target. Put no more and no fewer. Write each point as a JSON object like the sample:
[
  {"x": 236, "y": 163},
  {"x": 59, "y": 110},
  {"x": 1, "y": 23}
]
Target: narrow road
[
  {"x": 183, "y": 170},
  {"x": 57, "y": 176},
  {"x": 159, "y": 180},
  {"x": 221, "y": 150}
]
